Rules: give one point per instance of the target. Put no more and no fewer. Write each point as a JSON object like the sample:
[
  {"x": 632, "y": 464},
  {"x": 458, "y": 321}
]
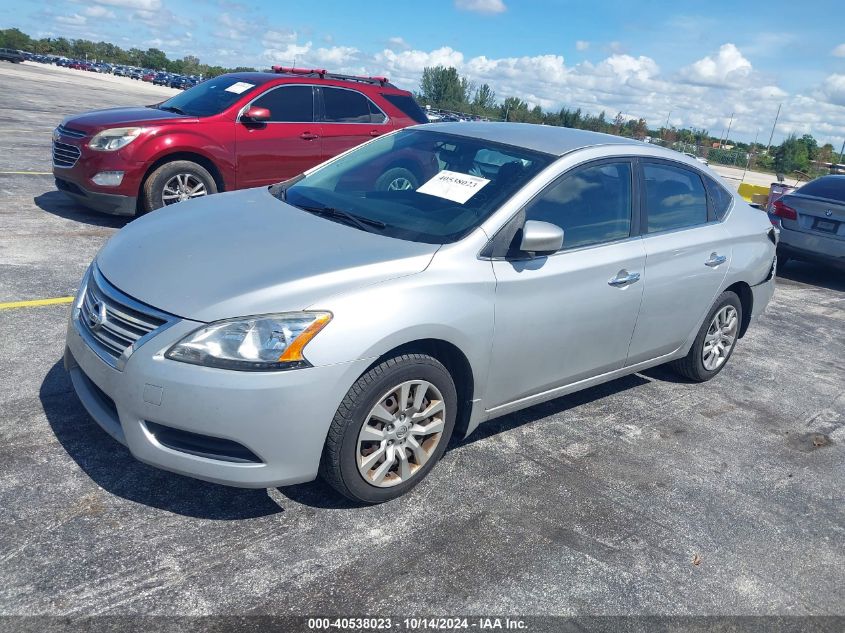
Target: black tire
[
  {"x": 154, "y": 185},
  {"x": 692, "y": 365},
  {"x": 396, "y": 175},
  {"x": 339, "y": 467}
]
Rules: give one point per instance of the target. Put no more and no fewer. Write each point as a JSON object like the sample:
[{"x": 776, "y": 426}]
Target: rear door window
[
  {"x": 345, "y": 106},
  {"x": 674, "y": 196}
]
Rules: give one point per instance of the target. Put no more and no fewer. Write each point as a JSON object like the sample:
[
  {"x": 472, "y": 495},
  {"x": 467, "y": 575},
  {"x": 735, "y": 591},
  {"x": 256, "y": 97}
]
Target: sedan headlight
[
  {"x": 262, "y": 343},
  {"x": 114, "y": 139}
]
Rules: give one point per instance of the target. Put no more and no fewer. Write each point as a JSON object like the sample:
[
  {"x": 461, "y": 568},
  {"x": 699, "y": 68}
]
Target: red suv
[{"x": 230, "y": 132}]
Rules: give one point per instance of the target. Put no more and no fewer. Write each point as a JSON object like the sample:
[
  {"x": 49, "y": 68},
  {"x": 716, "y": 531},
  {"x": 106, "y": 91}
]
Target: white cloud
[
  {"x": 97, "y": 11},
  {"x": 481, "y": 6},
  {"x": 278, "y": 38},
  {"x": 332, "y": 58},
  {"x": 72, "y": 20},
  {"x": 233, "y": 28},
  {"x": 143, "y": 5},
  {"x": 839, "y": 51},
  {"x": 833, "y": 89},
  {"x": 582, "y": 45},
  {"x": 334, "y": 55},
  {"x": 626, "y": 67},
  {"x": 398, "y": 43},
  {"x": 728, "y": 67}
]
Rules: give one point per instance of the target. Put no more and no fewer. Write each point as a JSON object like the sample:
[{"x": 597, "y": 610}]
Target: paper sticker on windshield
[
  {"x": 239, "y": 87},
  {"x": 453, "y": 186}
]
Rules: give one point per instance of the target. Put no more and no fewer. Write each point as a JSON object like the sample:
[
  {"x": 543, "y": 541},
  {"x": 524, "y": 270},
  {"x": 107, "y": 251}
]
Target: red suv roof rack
[{"x": 322, "y": 73}]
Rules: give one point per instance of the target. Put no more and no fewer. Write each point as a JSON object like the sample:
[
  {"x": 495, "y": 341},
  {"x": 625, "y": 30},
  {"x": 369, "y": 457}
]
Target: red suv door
[
  {"x": 282, "y": 147},
  {"x": 349, "y": 118}
]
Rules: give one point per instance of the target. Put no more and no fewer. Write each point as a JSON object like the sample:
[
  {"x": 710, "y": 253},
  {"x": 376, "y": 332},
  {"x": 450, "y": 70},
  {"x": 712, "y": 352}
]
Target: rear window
[
  {"x": 830, "y": 187},
  {"x": 408, "y": 106},
  {"x": 720, "y": 197}
]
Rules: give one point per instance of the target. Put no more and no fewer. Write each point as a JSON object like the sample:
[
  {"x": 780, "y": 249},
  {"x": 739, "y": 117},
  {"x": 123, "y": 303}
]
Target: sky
[{"x": 691, "y": 63}]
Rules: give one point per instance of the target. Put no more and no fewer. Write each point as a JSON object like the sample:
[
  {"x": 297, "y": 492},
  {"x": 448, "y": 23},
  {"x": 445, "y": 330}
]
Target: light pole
[
  {"x": 722, "y": 141},
  {"x": 748, "y": 159},
  {"x": 773, "y": 129}
]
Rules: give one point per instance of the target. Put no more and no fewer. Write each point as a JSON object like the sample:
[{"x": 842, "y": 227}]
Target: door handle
[
  {"x": 375, "y": 133},
  {"x": 623, "y": 278},
  {"x": 715, "y": 260},
  {"x": 307, "y": 136}
]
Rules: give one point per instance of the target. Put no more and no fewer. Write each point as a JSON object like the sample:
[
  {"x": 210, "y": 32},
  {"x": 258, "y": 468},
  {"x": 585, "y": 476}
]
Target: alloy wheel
[
  {"x": 400, "y": 184},
  {"x": 182, "y": 187},
  {"x": 720, "y": 338},
  {"x": 400, "y": 433}
]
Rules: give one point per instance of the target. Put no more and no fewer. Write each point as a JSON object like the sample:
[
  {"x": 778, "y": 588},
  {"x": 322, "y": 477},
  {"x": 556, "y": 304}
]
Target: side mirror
[
  {"x": 256, "y": 114},
  {"x": 541, "y": 238}
]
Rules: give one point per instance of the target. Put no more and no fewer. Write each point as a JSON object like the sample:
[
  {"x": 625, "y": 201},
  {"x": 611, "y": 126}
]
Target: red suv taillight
[{"x": 783, "y": 210}]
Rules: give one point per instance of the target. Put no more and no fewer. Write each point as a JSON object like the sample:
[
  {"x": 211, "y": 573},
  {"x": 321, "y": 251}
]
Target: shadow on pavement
[
  {"x": 113, "y": 468},
  {"x": 558, "y": 405},
  {"x": 59, "y": 204},
  {"x": 813, "y": 274}
]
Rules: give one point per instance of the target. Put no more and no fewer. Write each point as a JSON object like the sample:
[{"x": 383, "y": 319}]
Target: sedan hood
[
  {"x": 245, "y": 253},
  {"x": 112, "y": 117}
]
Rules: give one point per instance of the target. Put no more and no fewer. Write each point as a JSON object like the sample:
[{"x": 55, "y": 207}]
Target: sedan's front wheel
[
  {"x": 715, "y": 341},
  {"x": 391, "y": 428}
]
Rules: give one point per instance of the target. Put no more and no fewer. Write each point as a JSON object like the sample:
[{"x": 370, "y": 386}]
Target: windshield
[
  {"x": 210, "y": 97},
  {"x": 419, "y": 185}
]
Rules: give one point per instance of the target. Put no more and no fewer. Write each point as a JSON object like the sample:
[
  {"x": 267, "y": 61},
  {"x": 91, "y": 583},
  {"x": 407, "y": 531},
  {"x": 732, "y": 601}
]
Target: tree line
[
  {"x": 444, "y": 88},
  {"x": 152, "y": 58}
]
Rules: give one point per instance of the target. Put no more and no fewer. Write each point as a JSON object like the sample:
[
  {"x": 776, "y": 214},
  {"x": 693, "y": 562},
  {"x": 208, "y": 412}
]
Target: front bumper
[
  {"x": 113, "y": 204},
  {"x": 76, "y": 179},
  {"x": 282, "y": 418}
]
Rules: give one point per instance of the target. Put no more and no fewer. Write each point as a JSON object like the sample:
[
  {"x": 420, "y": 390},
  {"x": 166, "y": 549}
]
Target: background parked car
[
  {"x": 11, "y": 55},
  {"x": 231, "y": 132},
  {"x": 812, "y": 222}
]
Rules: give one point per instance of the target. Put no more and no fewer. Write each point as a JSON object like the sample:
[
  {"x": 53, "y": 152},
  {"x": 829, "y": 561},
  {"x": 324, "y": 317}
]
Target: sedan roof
[{"x": 548, "y": 139}]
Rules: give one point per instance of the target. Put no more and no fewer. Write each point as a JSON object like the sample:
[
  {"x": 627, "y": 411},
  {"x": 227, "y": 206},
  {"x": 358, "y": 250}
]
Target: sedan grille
[
  {"x": 70, "y": 132},
  {"x": 112, "y": 321},
  {"x": 65, "y": 155}
]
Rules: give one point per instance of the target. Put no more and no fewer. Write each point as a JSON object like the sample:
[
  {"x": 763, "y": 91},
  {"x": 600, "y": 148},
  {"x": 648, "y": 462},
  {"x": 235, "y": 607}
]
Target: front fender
[
  {"x": 441, "y": 303},
  {"x": 200, "y": 141}
]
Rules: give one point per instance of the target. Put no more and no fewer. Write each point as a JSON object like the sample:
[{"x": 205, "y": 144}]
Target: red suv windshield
[{"x": 210, "y": 97}]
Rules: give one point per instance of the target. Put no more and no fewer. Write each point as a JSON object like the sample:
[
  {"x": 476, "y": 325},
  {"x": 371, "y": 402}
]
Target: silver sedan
[{"x": 330, "y": 325}]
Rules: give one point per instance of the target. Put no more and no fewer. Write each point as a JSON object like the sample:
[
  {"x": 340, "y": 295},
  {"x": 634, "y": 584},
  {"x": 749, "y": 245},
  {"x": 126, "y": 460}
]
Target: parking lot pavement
[{"x": 596, "y": 503}]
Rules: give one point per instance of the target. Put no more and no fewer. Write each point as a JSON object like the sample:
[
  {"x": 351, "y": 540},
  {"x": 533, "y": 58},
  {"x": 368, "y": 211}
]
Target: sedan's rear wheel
[
  {"x": 715, "y": 341},
  {"x": 391, "y": 428}
]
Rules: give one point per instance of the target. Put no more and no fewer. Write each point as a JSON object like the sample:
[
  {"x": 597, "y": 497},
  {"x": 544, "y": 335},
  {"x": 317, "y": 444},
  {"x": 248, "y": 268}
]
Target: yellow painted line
[
  {"x": 34, "y": 303},
  {"x": 26, "y": 173}
]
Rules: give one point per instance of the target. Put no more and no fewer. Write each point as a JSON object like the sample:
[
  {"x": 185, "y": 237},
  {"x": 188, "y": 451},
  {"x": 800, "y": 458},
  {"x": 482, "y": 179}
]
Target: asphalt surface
[{"x": 594, "y": 504}]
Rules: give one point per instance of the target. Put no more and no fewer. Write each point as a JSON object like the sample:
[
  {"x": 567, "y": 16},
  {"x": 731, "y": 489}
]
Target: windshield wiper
[
  {"x": 331, "y": 212},
  {"x": 172, "y": 109}
]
